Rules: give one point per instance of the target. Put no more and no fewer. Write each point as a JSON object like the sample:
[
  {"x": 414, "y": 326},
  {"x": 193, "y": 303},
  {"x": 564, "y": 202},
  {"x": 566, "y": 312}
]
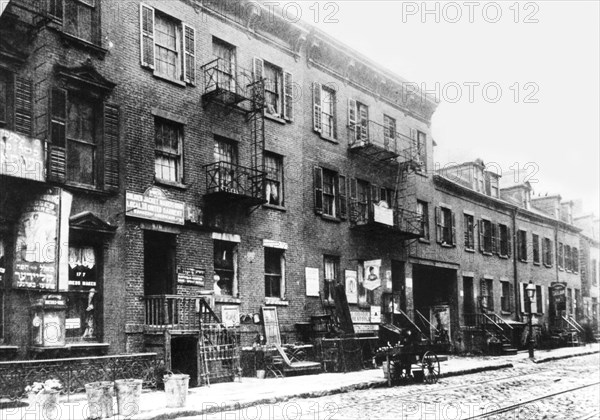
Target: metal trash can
[{"x": 176, "y": 388}]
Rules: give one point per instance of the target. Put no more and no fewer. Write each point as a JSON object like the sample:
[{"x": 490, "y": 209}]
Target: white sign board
[
  {"x": 375, "y": 314},
  {"x": 382, "y": 214},
  {"x": 312, "y": 281},
  {"x": 351, "y": 286},
  {"x": 21, "y": 156}
]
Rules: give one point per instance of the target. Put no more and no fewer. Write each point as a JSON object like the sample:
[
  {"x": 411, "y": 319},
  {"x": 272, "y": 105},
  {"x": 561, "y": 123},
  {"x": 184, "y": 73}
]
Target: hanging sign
[
  {"x": 21, "y": 156},
  {"x": 559, "y": 295},
  {"x": 153, "y": 204},
  {"x": 371, "y": 279}
]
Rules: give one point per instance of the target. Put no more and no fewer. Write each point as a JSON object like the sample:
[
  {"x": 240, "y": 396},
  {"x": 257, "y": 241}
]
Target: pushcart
[{"x": 417, "y": 362}]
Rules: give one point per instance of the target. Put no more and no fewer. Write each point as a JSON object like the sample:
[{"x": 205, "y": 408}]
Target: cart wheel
[{"x": 431, "y": 367}]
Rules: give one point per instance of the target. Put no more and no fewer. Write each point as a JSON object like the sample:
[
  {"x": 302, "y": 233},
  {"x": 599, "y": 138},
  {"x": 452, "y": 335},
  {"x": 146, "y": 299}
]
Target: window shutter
[
  {"x": 543, "y": 300},
  {"x": 509, "y": 241},
  {"x": 550, "y": 259},
  {"x": 317, "y": 110},
  {"x": 438, "y": 225},
  {"x": 352, "y": 120},
  {"x": 147, "y": 35},
  {"x": 189, "y": 54},
  {"x": 353, "y": 198},
  {"x": 343, "y": 197},
  {"x": 522, "y": 294},
  {"x": 111, "y": 147},
  {"x": 318, "y": 181},
  {"x": 453, "y": 229},
  {"x": 511, "y": 297},
  {"x": 57, "y": 167},
  {"x": 259, "y": 69},
  {"x": 480, "y": 228},
  {"x": 374, "y": 194},
  {"x": 334, "y": 109},
  {"x": 495, "y": 247},
  {"x": 23, "y": 106},
  {"x": 288, "y": 96}
]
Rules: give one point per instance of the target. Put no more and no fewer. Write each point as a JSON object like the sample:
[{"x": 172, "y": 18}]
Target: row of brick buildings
[{"x": 158, "y": 151}]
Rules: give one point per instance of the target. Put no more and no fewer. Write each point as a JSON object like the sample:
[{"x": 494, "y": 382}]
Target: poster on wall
[
  {"x": 351, "y": 286},
  {"x": 82, "y": 268},
  {"x": 38, "y": 259},
  {"x": 439, "y": 317},
  {"x": 312, "y": 281},
  {"x": 230, "y": 316},
  {"x": 372, "y": 279}
]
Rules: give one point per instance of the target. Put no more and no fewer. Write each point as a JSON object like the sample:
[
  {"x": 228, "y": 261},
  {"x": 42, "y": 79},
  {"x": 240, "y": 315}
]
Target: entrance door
[
  {"x": 159, "y": 263},
  {"x": 398, "y": 283},
  {"x": 469, "y": 299},
  {"x": 184, "y": 357}
]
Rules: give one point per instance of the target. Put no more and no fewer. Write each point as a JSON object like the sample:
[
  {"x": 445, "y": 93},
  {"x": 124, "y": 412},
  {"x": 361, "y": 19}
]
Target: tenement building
[
  {"x": 589, "y": 258},
  {"x": 167, "y": 161}
]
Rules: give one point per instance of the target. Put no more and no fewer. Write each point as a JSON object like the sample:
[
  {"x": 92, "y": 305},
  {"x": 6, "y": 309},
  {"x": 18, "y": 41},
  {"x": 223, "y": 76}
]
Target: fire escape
[
  {"x": 234, "y": 88},
  {"x": 382, "y": 145}
]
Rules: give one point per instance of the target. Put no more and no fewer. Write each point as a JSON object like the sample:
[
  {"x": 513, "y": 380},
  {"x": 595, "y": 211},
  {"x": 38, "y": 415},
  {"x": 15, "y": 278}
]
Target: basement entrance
[{"x": 184, "y": 357}]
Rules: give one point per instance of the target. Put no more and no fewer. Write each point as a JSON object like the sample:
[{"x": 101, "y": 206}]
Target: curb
[
  {"x": 183, "y": 412},
  {"x": 567, "y": 356}
]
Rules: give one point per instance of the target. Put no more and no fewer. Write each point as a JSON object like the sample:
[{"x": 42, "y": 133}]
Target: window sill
[
  {"x": 330, "y": 218},
  {"x": 171, "y": 184},
  {"x": 424, "y": 241},
  {"x": 505, "y": 312},
  {"x": 487, "y": 253},
  {"x": 560, "y": 268},
  {"x": 537, "y": 263},
  {"x": 70, "y": 185},
  {"x": 329, "y": 139},
  {"x": 97, "y": 50},
  {"x": 167, "y": 79},
  {"x": 504, "y": 257},
  {"x": 274, "y": 207},
  {"x": 228, "y": 299},
  {"x": 549, "y": 266},
  {"x": 471, "y": 250},
  {"x": 445, "y": 245},
  {"x": 275, "y": 118},
  {"x": 276, "y": 302},
  {"x": 523, "y": 261}
]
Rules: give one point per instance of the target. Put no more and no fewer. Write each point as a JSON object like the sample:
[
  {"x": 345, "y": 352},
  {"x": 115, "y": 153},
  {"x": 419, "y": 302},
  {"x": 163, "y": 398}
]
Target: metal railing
[
  {"x": 172, "y": 312},
  {"x": 221, "y": 77},
  {"x": 400, "y": 220},
  {"x": 225, "y": 177}
]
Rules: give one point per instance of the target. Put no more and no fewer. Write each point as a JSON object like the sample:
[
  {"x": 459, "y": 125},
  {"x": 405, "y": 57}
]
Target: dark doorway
[
  {"x": 184, "y": 357},
  {"x": 398, "y": 282},
  {"x": 468, "y": 300},
  {"x": 159, "y": 263}
]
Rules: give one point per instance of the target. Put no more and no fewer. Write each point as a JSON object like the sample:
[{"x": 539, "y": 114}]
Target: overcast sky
[{"x": 539, "y": 63}]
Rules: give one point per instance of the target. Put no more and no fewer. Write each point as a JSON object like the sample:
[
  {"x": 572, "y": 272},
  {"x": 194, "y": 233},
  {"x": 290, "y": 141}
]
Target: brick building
[
  {"x": 589, "y": 257},
  {"x": 192, "y": 149}
]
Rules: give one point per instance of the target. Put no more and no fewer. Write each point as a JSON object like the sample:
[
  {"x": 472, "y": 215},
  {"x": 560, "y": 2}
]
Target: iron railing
[
  {"x": 75, "y": 372},
  {"x": 236, "y": 180},
  {"x": 172, "y": 312},
  {"x": 398, "y": 220},
  {"x": 387, "y": 144},
  {"x": 232, "y": 85}
]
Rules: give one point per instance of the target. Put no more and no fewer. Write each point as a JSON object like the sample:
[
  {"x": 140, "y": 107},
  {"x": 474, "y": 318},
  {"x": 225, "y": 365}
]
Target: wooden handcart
[{"x": 410, "y": 362}]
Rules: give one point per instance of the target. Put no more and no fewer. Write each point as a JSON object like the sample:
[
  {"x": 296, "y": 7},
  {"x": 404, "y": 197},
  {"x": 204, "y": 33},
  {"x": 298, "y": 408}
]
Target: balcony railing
[
  {"x": 231, "y": 86},
  {"x": 172, "y": 312},
  {"x": 375, "y": 217},
  {"x": 228, "y": 182},
  {"x": 377, "y": 142}
]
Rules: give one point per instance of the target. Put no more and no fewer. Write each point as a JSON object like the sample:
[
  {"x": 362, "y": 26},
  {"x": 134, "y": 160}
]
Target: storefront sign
[
  {"x": 21, "y": 156},
  {"x": 154, "y": 205},
  {"x": 191, "y": 276},
  {"x": 366, "y": 328},
  {"x": 360, "y": 317},
  {"x": 82, "y": 268},
  {"x": 38, "y": 254},
  {"x": 383, "y": 214}
]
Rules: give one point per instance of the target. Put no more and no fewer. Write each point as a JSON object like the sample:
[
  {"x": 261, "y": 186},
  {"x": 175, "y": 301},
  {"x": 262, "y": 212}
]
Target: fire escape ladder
[
  {"x": 257, "y": 137},
  {"x": 405, "y": 191}
]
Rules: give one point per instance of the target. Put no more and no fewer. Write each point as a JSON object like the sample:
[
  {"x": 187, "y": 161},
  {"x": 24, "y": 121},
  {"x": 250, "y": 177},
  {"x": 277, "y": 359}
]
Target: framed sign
[
  {"x": 351, "y": 286},
  {"x": 230, "y": 315}
]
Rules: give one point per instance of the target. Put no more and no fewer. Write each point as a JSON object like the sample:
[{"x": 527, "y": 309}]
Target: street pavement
[{"x": 241, "y": 397}]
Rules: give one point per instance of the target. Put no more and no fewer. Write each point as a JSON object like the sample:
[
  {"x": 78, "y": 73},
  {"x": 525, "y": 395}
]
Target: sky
[{"x": 518, "y": 82}]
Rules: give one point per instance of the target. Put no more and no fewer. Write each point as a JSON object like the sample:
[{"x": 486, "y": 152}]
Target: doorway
[
  {"x": 184, "y": 357},
  {"x": 159, "y": 263},
  {"x": 399, "y": 283}
]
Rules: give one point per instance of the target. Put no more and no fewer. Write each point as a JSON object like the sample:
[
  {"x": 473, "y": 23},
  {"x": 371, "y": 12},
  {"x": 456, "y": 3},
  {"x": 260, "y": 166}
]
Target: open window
[{"x": 225, "y": 262}]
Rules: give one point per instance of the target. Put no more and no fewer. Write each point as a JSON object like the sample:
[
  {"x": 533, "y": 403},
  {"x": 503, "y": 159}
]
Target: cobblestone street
[{"x": 471, "y": 396}]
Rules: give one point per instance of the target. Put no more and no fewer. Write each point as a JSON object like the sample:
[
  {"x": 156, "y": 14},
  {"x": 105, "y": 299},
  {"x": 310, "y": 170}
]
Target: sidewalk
[{"x": 250, "y": 391}]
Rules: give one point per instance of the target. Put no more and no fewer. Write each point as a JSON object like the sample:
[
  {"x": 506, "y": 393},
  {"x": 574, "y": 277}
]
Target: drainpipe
[{"x": 515, "y": 266}]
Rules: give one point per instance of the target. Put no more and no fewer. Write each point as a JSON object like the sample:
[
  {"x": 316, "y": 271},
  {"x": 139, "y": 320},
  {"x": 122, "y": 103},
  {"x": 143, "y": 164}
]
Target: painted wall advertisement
[
  {"x": 153, "y": 204},
  {"x": 21, "y": 156},
  {"x": 40, "y": 261}
]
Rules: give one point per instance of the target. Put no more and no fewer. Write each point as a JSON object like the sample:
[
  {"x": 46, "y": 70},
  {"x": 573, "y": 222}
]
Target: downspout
[{"x": 515, "y": 266}]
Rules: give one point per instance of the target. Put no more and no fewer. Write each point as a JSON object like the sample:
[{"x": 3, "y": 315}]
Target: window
[
  {"x": 422, "y": 148},
  {"x": 362, "y": 200},
  {"x": 225, "y": 261},
  {"x": 225, "y": 152},
  {"x": 358, "y": 120},
  {"x": 535, "y": 239},
  {"x": 167, "y": 46},
  {"x": 486, "y": 287},
  {"x": 274, "y": 272},
  {"x": 330, "y": 193},
  {"x": 225, "y": 76},
  {"x": 522, "y": 245},
  {"x": 594, "y": 272},
  {"x": 423, "y": 212},
  {"x": 469, "y": 224},
  {"x": 3, "y": 99},
  {"x": 389, "y": 131},
  {"x": 547, "y": 252},
  {"x": 83, "y": 294},
  {"x": 575, "y": 259},
  {"x": 478, "y": 180},
  {"x": 539, "y": 300},
  {"x": 504, "y": 236},
  {"x": 491, "y": 183},
  {"x": 486, "y": 236},
  {"x": 570, "y": 301},
  {"x": 561, "y": 255},
  {"x": 324, "y": 111},
  {"x": 168, "y": 137},
  {"x": 79, "y": 17},
  {"x": 274, "y": 179},
  {"x": 77, "y": 124},
  {"x": 332, "y": 267},
  {"x": 506, "y": 301},
  {"x": 445, "y": 226},
  {"x": 279, "y": 85}
]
